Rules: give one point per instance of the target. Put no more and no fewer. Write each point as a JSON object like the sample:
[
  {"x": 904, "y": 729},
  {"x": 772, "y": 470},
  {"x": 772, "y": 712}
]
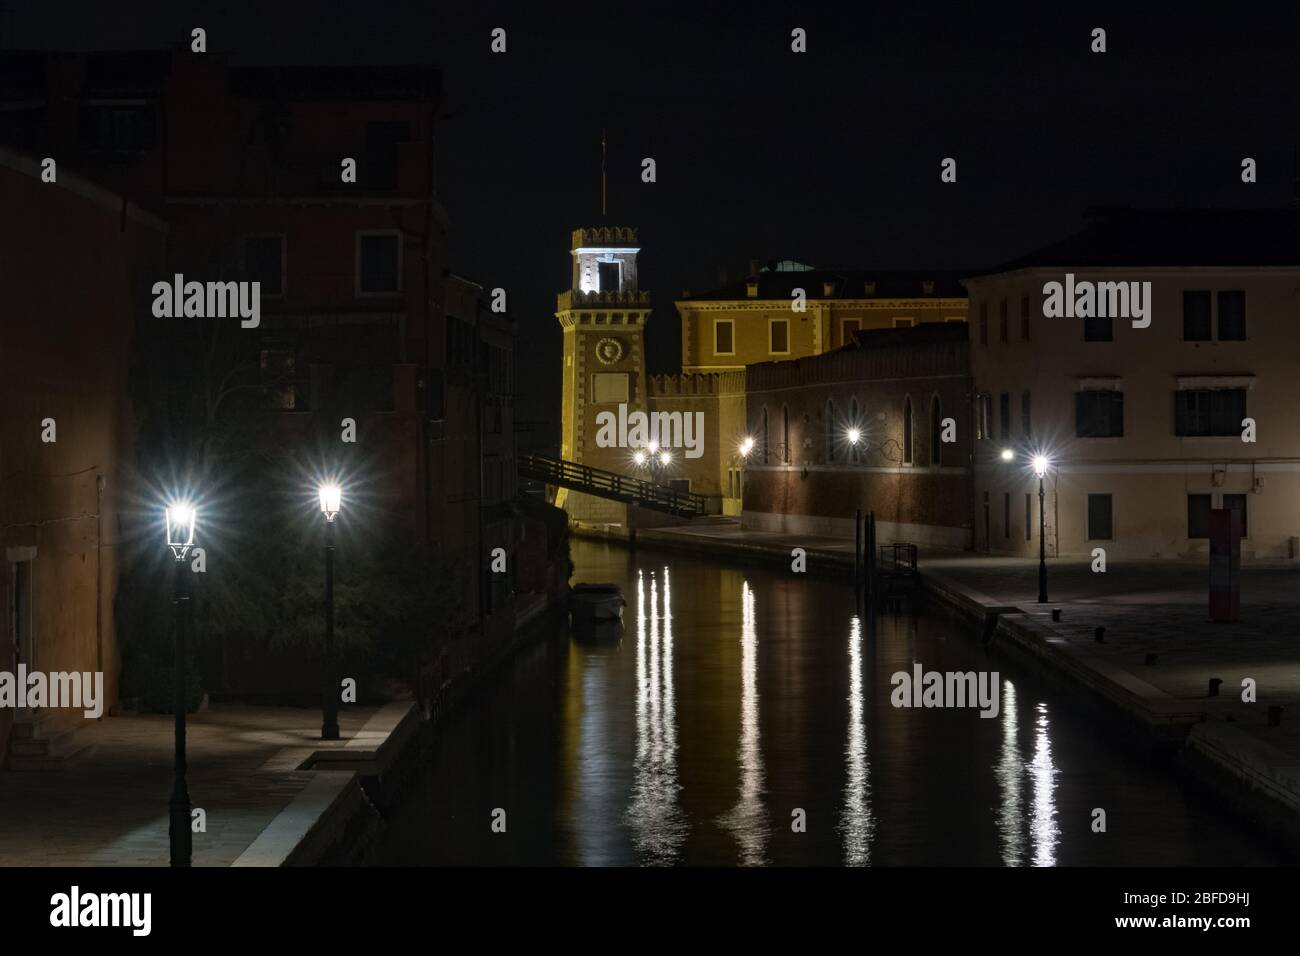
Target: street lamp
[
  {"x": 180, "y": 538},
  {"x": 1040, "y": 469},
  {"x": 854, "y": 435},
  {"x": 639, "y": 459},
  {"x": 331, "y": 500},
  {"x": 746, "y": 446}
]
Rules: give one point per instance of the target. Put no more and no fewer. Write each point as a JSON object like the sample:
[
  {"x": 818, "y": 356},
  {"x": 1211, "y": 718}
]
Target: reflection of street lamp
[
  {"x": 854, "y": 435},
  {"x": 1007, "y": 454},
  {"x": 1040, "y": 469},
  {"x": 180, "y": 538},
  {"x": 331, "y": 501}
]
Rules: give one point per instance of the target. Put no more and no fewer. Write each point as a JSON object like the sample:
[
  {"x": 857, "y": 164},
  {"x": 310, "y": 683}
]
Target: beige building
[
  {"x": 787, "y": 310},
  {"x": 1158, "y": 375}
]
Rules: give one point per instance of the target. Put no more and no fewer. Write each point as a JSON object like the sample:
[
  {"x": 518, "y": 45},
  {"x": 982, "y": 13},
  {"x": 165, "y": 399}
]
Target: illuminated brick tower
[{"x": 603, "y": 315}]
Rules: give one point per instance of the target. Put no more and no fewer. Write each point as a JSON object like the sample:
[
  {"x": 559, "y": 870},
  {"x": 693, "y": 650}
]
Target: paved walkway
[
  {"x": 1162, "y": 609},
  {"x": 109, "y": 808}
]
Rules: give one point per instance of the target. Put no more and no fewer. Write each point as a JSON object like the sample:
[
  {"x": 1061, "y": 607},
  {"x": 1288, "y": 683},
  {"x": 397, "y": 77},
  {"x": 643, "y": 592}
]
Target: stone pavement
[
  {"x": 109, "y": 808},
  {"x": 1163, "y": 609}
]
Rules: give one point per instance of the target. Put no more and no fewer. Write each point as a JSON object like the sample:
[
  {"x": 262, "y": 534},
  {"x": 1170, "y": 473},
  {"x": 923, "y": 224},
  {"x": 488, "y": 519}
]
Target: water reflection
[
  {"x": 1008, "y": 771},
  {"x": 1043, "y": 772},
  {"x": 657, "y": 823},
  {"x": 748, "y": 818},
  {"x": 856, "y": 824}
]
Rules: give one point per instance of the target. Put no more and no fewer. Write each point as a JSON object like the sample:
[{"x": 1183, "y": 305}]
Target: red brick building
[
  {"x": 318, "y": 184},
  {"x": 892, "y": 389}
]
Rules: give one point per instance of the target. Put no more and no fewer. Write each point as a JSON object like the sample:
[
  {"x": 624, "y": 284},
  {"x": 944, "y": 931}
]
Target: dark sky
[{"x": 831, "y": 157}]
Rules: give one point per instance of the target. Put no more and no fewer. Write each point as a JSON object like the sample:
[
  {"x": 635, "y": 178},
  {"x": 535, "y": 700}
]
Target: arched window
[
  {"x": 936, "y": 430},
  {"x": 785, "y": 434},
  {"x": 762, "y": 435},
  {"x": 828, "y": 430},
  {"x": 907, "y": 431}
]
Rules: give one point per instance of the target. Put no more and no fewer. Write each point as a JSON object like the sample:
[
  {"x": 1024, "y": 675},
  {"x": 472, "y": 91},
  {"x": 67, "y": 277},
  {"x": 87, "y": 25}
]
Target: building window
[
  {"x": 379, "y": 263},
  {"x": 1232, "y": 315},
  {"x": 763, "y": 435},
  {"x": 264, "y": 263},
  {"x": 1026, "y": 419},
  {"x": 904, "y": 322},
  {"x": 1196, "y": 315},
  {"x": 907, "y": 431},
  {"x": 679, "y": 484},
  {"x": 1024, "y": 318},
  {"x": 1006, "y": 515},
  {"x": 785, "y": 434},
  {"x": 1099, "y": 413},
  {"x": 724, "y": 342},
  {"x": 850, "y": 328},
  {"x": 983, "y": 415},
  {"x": 1237, "y": 503},
  {"x": 1097, "y": 328},
  {"x": 1198, "y": 516},
  {"x": 779, "y": 334},
  {"x": 936, "y": 431},
  {"x": 1004, "y": 414},
  {"x": 118, "y": 127},
  {"x": 1099, "y": 518},
  {"x": 609, "y": 276},
  {"x": 1209, "y": 411},
  {"x": 1002, "y": 321},
  {"x": 1029, "y": 517},
  {"x": 984, "y": 323},
  {"x": 829, "y": 431}
]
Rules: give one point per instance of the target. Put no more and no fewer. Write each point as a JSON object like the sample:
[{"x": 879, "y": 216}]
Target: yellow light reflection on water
[
  {"x": 748, "y": 818},
  {"x": 857, "y": 823},
  {"x": 657, "y": 823}
]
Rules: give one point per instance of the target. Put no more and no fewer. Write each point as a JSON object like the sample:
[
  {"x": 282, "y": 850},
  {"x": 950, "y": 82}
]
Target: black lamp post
[
  {"x": 331, "y": 498},
  {"x": 180, "y": 538},
  {"x": 1040, "y": 469}
]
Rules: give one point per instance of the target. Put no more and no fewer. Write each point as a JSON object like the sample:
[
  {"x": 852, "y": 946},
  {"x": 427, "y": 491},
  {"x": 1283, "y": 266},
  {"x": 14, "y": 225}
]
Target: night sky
[{"x": 830, "y": 157}]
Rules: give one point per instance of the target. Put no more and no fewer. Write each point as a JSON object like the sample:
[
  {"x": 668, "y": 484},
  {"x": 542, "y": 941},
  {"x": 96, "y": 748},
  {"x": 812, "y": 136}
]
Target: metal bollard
[
  {"x": 1275, "y": 715},
  {"x": 1214, "y": 686},
  {"x": 1151, "y": 659},
  {"x": 1056, "y": 614},
  {"x": 1099, "y": 634}
]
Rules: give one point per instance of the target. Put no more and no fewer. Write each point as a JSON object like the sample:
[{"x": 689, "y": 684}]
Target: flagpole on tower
[{"x": 602, "y": 174}]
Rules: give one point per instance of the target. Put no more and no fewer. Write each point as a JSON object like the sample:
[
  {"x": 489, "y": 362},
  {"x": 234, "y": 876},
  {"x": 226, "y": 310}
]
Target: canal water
[{"x": 741, "y": 701}]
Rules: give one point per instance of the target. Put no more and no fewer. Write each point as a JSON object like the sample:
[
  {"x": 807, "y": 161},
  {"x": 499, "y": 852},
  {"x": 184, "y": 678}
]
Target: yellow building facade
[{"x": 787, "y": 311}]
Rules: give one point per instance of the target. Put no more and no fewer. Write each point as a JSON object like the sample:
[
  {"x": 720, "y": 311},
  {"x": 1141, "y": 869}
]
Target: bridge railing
[{"x": 610, "y": 484}]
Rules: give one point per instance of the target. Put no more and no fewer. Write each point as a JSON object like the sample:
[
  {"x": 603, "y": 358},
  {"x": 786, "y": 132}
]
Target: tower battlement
[{"x": 597, "y": 236}]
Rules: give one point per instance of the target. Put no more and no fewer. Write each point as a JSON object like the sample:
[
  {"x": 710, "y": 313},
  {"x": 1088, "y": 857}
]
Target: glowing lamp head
[
  {"x": 639, "y": 458},
  {"x": 1007, "y": 454},
  {"x": 331, "y": 500},
  {"x": 180, "y": 528},
  {"x": 1040, "y": 465},
  {"x": 746, "y": 447},
  {"x": 854, "y": 435},
  {"x": 654, "y": 447},
  {"x": 665, "y": 459}
]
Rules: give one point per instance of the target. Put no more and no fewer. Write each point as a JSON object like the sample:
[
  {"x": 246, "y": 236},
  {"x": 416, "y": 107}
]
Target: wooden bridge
[{"x": 610, "y": 484}]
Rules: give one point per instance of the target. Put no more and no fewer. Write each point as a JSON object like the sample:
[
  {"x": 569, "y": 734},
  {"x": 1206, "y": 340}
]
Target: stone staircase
[{"x": 37, "y": 745}]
